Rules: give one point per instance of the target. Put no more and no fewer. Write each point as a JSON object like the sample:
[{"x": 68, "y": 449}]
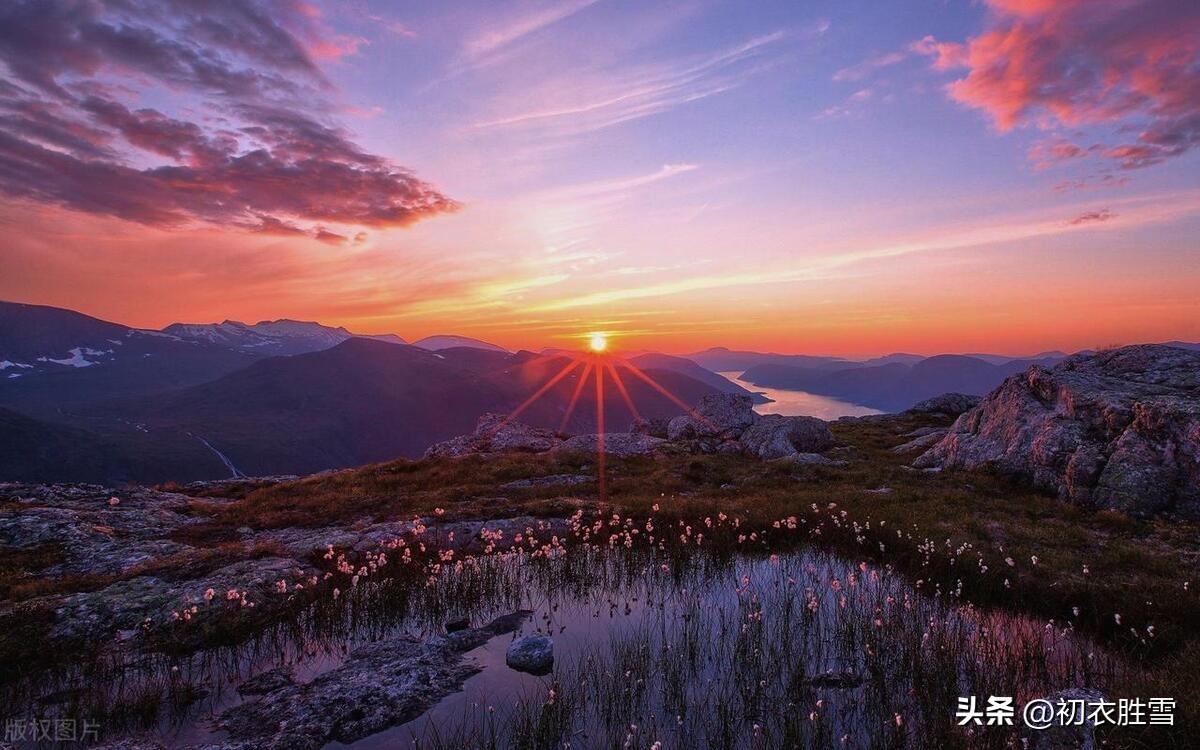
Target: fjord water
[{"x": 792, "y": 403}]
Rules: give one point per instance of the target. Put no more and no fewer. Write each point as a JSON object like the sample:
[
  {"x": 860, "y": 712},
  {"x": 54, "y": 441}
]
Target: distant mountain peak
[
  {"x": 280, "y": 337},
  {"x": 449, "y": 341}
]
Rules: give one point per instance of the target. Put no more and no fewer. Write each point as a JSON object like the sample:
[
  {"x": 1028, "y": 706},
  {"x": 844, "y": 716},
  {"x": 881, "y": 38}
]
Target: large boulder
[
  {"x": 952, "y": 404},
  {"x": 775, "y": 436},
  {"x": 497, "y": 433},
  {"x": 1117, "y": 429},
  {"x": 723, "y": 415}
]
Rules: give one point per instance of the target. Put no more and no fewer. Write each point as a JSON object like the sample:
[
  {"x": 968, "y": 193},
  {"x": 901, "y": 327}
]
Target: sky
[{"x": 848, "y": 178}]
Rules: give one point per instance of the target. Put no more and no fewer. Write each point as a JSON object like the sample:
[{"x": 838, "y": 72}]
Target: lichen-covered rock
[
  {"x": 531, "y": 653},
  {"x": 621, "y": 444},
  {"x": 497, "y": 433},
  {"x": 951, "y": 404},
  {"x": 99, "y": 531},
  {"x": 149, "y": 601},
  {"x": 775, "y": 436},
  {"x": 652, "y": 426},
  {"x": 723, "y": 415},
  {"x": 1117, "y": 429},
  {"x": 920, "y": 442}
]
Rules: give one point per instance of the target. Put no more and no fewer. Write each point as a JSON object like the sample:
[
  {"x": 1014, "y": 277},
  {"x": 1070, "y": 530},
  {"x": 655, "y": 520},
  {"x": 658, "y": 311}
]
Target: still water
[
  {"x": 687, "y": 635},
  {"x": 800, "y": 403}
]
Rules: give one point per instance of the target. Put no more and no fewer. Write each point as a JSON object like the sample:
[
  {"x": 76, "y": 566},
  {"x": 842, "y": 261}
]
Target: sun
[{"x": 597, "y": 342}]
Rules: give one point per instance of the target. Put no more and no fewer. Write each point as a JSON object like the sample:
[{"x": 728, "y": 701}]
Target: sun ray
[
  {"x": 620, "y": 384},
  {"x": 600, "y": 457},
  {"x": 537, "y": 394},
  {"x": 673, "y": 398},
  {"x": 587, "y": 370}
]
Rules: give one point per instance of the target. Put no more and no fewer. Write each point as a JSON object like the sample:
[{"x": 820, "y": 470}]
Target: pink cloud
[{"x": 1133, "y": 65}]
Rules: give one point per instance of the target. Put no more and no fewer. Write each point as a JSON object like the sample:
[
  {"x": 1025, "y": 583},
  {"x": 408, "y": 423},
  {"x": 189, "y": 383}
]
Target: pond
[{"x": 664, "y": 632}]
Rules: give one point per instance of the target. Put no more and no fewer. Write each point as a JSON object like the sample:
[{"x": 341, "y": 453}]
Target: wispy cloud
[
  {"x": 861, "y": 70},
  {"x": 1144, "y": 210},
  {"x": 580, "y": 102},
  {"x": 504, "y": 33}
]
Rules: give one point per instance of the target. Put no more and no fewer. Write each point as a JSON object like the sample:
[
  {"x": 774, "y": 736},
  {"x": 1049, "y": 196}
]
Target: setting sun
[{"x": 597, "y": 342}]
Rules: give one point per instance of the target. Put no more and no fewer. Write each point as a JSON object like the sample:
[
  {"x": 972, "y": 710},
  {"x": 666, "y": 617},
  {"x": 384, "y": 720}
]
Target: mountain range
[
  {"x": 202, "y": 401},
  {"x": 82, "y": 399}
]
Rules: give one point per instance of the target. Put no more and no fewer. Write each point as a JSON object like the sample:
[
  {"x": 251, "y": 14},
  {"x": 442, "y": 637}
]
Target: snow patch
[
  {"x": 77, "y": 358},
  {"x": 5, "y": 364}
]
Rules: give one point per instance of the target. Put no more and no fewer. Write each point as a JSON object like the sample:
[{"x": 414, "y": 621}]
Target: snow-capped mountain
[
  {"x": 50, "y": 357},
  {"x": 437, "y": 343},
  {"x": 271, "y": 338}
]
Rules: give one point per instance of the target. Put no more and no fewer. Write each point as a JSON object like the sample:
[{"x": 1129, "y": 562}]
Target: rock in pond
[{"x": 531, "y": 653}]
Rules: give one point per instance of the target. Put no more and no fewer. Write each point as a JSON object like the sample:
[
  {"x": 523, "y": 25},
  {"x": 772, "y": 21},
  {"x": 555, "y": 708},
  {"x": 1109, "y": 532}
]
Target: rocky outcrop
[
  {"x": 774, "y": 436},
  {"x": 99, "y": 531},
  {"x": 718, "y": 415},
  {"x": 951, "y": 404},
  {"x": 1117, "y": 429},
  {"x": 496, "y": 433}
]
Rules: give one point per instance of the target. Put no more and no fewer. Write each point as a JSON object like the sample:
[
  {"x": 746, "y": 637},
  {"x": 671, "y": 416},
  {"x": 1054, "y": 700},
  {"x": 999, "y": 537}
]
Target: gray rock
[
  {"x": 96, "y": 537},
  {"x": 531, "y": 653},
  {"x": 1117, "y": 429},
  {"x": 623, "y": 444},
  {"x": 723, "y": 415},
  {"x": 920, "y": 443},
  {"x": 147, "y": 601},
  {"x": 381, "y": 685},
  {"x": 951, "y": 404},
  {"x": 682, "y": 427},
  {"x": 653, "y": 426},
  {"x": 774, "y": 436},
  {"x": 496, "y": 433}
]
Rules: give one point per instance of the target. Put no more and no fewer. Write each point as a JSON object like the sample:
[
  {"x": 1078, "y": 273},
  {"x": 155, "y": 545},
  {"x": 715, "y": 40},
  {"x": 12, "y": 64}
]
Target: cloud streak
[
  {"x": 573, "y": 106},
  {"x": 1146, "y": 210}
]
